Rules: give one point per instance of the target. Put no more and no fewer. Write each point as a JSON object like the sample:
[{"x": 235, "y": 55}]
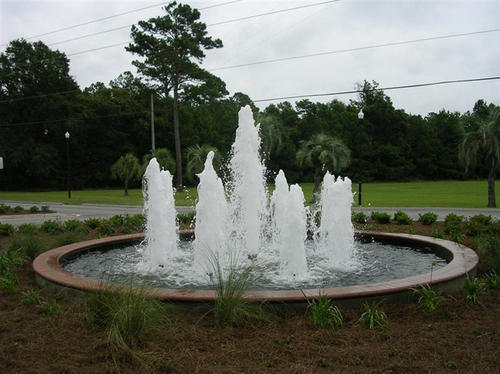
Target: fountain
[{"x": 241, "y": 222}]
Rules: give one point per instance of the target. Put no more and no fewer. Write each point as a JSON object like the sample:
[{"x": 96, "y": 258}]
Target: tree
[
  {"x": 126, "y": 169},
  {"x": 482, "y": 145},
  {"x": 171, "y": 47},
  {"x": 323, "y": 152},
  {"x": 164, "y": 158},
  {"x": 196, "y": 156}
]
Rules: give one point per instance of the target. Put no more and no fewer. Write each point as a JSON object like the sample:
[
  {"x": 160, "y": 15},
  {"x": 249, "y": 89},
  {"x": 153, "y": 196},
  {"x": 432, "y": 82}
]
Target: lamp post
[
  {"x": 361, "y": 115},
  {"x": 67, "y": 164}
]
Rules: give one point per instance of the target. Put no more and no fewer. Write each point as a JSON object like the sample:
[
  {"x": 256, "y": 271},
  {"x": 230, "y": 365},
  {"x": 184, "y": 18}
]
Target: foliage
[
  {"x": 34, "y": 209},
  {"x": 163, "y": 157},
  {"x": 47, "y": 307},
  {"x": 31, "y": 297},
  {"x": 44, "y": 208},
  {"x": 9, "y": 261},
  {"x": 380, "y": 217},
  {"x": 27, "y": 228},
  {"x": 372, "y": 316},
  {"x": 29, "y": 245},
  {"x": 359, "y": 217},
  {"x": 52, "y": 227},
  {"x": 402, "y": 218},
  {"x": 428, "y": 298},
  {"x": 186, "y": 218},
  {"x": 196, "y": 156},
  {"x": 105, "y": 228},
  {"x": 92, "y": 223},
  {"x": 17, "y": 209},
  {"x": 428, "y": 218},
  {"x": 127, "y": 313},
  {"x": 473, "y": 288},
  {"x": 126, "y": 169},
  {"x": 488, "y": 250},
  {"x": 6, "y": 229},
  {"x": 492, "y": 280},
  {"x": 72, "y": 225},
  {"x": 4, "y": 208},
  {"x": 324, "y": 314}
]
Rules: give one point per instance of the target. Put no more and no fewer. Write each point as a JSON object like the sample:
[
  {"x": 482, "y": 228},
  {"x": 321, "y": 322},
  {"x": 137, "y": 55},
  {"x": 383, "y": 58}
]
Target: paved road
[{"x": 84, "y": 211}]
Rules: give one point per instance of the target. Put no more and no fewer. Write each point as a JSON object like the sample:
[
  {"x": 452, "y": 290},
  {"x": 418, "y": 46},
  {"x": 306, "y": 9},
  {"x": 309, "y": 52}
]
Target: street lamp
[
  {"x": 361, "y": 115},
  {"x": 67, "y": 164}
]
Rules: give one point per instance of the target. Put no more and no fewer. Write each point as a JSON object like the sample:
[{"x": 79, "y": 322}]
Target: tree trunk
[
  {"x": 125, "y": 193},
  {"x": 317, "y": 183},
  {"x": 491, "y": 188},
  {"x": 177, "y": 139}
]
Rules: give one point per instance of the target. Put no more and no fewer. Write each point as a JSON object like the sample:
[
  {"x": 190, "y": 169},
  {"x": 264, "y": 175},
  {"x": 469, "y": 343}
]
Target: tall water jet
[
  {"x": 336, "y": 233},
  {"x": 247, "y": 188},
  {"x": 159, "y": 209},
  {"x": 290, "y": 228},
  {"x": 211, "y": 219}
]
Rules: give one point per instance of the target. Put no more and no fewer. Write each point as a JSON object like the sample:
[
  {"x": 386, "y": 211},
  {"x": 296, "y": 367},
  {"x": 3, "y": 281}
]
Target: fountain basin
[{"x": 462, "y": 260}]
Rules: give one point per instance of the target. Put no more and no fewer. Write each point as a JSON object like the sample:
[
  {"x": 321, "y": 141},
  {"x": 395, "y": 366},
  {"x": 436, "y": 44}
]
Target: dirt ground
[{"x": 460, "y": 338}]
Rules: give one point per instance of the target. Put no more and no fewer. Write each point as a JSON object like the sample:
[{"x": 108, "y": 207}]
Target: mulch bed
[
  {"x": 459, "y": 338},
  {"x": 26, "y": 211}
]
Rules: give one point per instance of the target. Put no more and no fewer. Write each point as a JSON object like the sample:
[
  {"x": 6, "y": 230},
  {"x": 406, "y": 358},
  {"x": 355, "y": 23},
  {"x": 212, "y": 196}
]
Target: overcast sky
[{"x": 343, "y": 24}]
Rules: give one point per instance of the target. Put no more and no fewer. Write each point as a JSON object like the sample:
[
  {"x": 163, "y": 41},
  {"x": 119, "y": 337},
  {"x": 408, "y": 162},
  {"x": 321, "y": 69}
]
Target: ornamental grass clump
[
  {"x": 473, "y": 288},
  {"x": 372, "y": 316},
  {"x": 127, "y": 313},
  {"x": 429, "y": 299},
  {"x": 324, "y": 314}
]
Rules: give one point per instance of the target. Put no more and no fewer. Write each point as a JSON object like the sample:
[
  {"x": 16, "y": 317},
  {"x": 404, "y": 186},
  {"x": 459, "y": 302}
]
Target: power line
[
  {"x": 208, "y": 25},
  {"x": 109, "y": 17},
  {"x": 381, "y": 89},
  {"x": 355, "y": 49}
]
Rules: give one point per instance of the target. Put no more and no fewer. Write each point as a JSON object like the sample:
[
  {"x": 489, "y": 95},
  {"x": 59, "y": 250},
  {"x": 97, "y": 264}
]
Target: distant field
[{"x": 467, "y": 194}]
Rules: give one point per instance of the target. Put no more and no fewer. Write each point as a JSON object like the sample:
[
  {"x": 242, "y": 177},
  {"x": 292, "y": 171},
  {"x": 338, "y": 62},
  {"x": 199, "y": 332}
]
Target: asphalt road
[{"x": 82, "y": 212}]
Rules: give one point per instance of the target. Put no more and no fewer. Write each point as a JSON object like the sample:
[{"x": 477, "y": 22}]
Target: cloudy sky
[{"x": 329, "y": 26}]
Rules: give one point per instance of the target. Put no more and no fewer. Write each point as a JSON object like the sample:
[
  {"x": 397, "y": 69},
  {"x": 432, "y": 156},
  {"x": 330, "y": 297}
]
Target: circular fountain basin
[{"x": 50, "y": 272}]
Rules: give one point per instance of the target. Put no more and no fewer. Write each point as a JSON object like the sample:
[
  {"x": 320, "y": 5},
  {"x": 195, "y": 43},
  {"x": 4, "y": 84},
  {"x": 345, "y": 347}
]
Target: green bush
[
  {"x": 9, "y": 261},
  {"x": 116, "y": 221},
  {"x": 492, "y": 280},
  {"x": 127, "y": 313},
  {"x": 380, "y": 217},
  {"x": 34, "y": 209},
  {"x": 28, "y": 244},
  {"x": 324, "y": 314},
  {"x": 427, "y": 218},
  {"x": 481, "y": 219},
  {"x": 135, "y": 222},
  {"x": 6, "y": 229},
  {"x": 359, "y": 217},
  {"x": 105, "y": 228},
  {"x": 17, "y": 209},
  {"x": 72, "y": 225},
  {"x": 429, "y": 299},
  {"x": 4, "y": 209},
  {"x": 45, "y": 208},
  {"x": 186, "y": 218},
  {"x": 27, "y": 228},
  {"x": 452, "y": 222},
  {"x": 69, "y": 237},
  {"x": 31, "y": 297},
  {"x": 8, "y": 282},
  {"x": 478, "y": 224},
  {"x": 474, "y": 287},
  {"x": 92, "y": 223},
  {"x": 402, "y": 218},
  {"x": 488, "y": 250},
  {"x": 51, "y": 227}
]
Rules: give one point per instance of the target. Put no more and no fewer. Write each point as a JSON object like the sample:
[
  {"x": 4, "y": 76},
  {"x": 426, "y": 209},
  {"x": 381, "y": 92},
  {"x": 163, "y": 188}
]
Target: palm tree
[
  {"x": 196, "y": 156},
  {"x": 164, "y": 158},
  {"x": 323, "y": 152},
  {"x": 127, "y": 169},
  {"x": 482, "y": 145}
]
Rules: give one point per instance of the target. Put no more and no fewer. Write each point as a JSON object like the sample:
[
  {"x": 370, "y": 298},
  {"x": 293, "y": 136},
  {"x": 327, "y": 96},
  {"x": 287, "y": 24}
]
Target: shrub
[
  {"x": 402, "y": 218},
  {"x": 380, "y": 217},
  {"x": 359, "y": 217},
  {"x": 4, "y": 209},
  {"x": 372, "y": 316},
  {"x": 34, "y": 209},
  {"x": 436, "y": 233},
  {"x": 27, "y": 228},
  {"x": 127, "y": 313},
  {"x": 9, "y": 261},
  {"x": 477, "y": 224},
  {"x": 28, "y": 244},
  {"x": 69, "y": 237},
  {"x": 92, "y": 223},
  {"x": 427, "y": 218},
  {"x": 429, "y": 298},
  {"x": 324, "y": 314},
  {"x": 488, "y": 250},
  {"x": 116, "y": 221},
  {"x": 135, "y": 222},
  {"x": 72, "y": 225},
  {"x": 105, "y": 228},
  {"x": 6, "y": 229},
  {"x": 481, "y": 219},
  {"x": 8, "y": 282},
  {"x": 51, "y": 227},
  {"x": 186, "y": 218},
  {"x": 31, "y": 297},
  {"x": 492, "y": 280},
  {"x": 452, "y": 222},
  {"x": 45, "y": 208},
  {"x": 17, "y": 209}
]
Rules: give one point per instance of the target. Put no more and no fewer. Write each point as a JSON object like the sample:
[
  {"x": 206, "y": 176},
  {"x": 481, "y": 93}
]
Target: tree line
[{"x": 193, "y": 113}]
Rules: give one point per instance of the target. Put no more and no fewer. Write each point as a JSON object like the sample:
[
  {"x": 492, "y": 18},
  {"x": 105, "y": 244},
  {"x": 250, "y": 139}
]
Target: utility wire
[
  {"x": 354, "y": 49},
  {"x": 208, "y": 25},
  {"x": 381, "y": 89},
  {"x": 271, "y": 99},
  {"x": 109, "y": 17}
]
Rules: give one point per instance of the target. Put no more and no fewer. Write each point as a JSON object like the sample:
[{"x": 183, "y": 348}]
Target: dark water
[{"x": 374, "y": 262}]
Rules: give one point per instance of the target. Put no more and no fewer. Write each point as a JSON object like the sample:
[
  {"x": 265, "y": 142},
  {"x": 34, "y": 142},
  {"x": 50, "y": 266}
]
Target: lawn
[{"x": 470, "y": 194}]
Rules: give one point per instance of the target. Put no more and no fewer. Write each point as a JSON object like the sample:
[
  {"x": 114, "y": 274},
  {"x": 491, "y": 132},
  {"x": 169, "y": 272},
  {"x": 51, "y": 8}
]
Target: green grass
[{"x": 466, "y": 194}]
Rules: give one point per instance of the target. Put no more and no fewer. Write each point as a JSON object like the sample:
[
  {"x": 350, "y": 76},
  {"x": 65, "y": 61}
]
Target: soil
[{"x": 460, "y": 338}]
